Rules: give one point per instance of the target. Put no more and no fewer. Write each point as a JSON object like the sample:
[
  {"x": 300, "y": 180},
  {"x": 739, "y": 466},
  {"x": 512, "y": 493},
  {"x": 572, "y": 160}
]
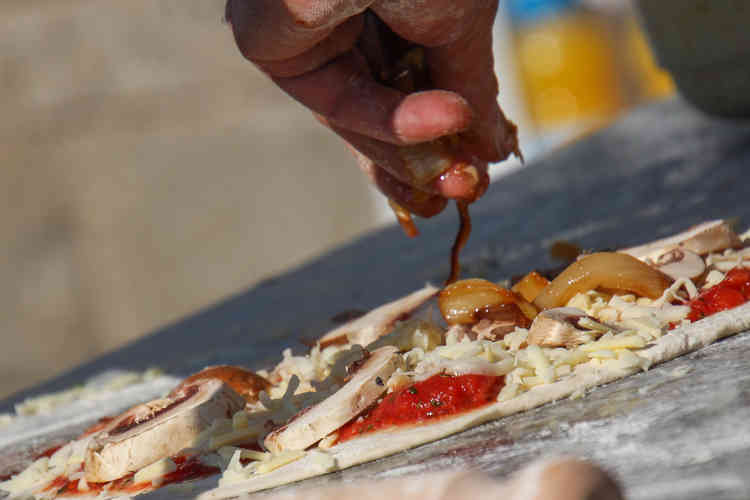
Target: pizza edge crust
[{"x": 380, "y": 444}]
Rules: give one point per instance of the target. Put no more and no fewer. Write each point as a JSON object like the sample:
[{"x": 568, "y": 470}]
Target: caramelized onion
[
  {"x": 606, "y": 270},
  {"x": 508, "y": 313},
  {"x": 530, "y": 286},
  {"x": 462, "y": 302},
  {"x": 245, "y": 382},
  {"x": 404, "y": 219}
]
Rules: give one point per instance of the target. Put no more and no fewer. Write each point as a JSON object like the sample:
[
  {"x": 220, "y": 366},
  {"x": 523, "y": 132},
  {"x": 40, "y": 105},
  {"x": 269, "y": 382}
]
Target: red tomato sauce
[
  {"x": 187, "y": 468},
  {"x": 732, "y": 291},
  {"x": 60, "y": 483},
  {"x": 99, "y": 425},
  {"x": 435, "y": 397},
  {"x": 48, "y": 452}
]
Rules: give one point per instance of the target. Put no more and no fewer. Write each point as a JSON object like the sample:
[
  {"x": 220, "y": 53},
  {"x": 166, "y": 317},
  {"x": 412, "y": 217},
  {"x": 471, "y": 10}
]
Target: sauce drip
[
  {"x": 732, "y": 291},
  {"x": 464, "y": 231},
  {"x": 435, "y": 397}
]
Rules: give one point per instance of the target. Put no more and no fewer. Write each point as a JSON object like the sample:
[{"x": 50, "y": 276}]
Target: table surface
[{"x": 680, "y": 430}]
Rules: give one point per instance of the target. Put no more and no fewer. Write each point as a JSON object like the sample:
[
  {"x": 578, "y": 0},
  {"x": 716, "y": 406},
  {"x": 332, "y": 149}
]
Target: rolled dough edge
[{"x": 676, "y": 343}]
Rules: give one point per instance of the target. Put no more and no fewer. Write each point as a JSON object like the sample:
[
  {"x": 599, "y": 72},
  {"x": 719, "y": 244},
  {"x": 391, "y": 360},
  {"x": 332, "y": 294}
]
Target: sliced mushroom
[
  {"x": 712, "y": 236},
  {"x": 678, "y": 263},
  {"x": 368, "y": 328},
  {"x": 367, "y": 383},
  {"x": 499, "y": 320},
  {"x": 559, "y": 327},
  {"x": 492, "y": 330},
  {"x": 158, "y": 429},
  {"x": 246, "y": 383}
]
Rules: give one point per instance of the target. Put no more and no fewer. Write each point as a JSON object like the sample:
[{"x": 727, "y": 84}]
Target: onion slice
[
  {"x": 403, "y": 216},
  {"x": 530, "y": 286},
  {"x": 462, "y": 302},
  {"x": 607, "y": 270},
  {"x": 246, "y": 383}
]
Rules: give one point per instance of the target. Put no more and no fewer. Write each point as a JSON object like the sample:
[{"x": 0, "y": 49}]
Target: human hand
[
  {"x": 320, "y": 53},
  {"x": 554, "y": 478}
]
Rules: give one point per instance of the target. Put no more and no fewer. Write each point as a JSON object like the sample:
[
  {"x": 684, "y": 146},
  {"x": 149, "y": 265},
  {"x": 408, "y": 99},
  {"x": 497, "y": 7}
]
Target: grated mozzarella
[
  {"x": 541, "y": 364},
  {"x": 94, "y": 388},
  {"x": 154, "y": 471},
  {"x": 276, "y": 461},
  {"x": 621, "y": 341}
]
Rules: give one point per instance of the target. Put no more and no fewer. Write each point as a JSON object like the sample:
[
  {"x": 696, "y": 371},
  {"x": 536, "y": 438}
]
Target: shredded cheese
[
  {"x": 622, "y": 341},
  {"x": 154, "y": 471},
  {"x": 240, "y": 420},
  {"x": 615, "y": 328},
  {"x": 276, "y": 461},
  {"x": 94, "y": 388},
  {"x": 541, "y": 364}
]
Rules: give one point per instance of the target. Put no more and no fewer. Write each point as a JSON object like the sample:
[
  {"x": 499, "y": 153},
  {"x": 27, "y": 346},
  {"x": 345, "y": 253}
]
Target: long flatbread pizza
[{"x": 415, "y": 370}]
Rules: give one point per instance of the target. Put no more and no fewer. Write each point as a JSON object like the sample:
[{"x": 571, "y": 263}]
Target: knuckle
[{"x": 324, "y": 14}]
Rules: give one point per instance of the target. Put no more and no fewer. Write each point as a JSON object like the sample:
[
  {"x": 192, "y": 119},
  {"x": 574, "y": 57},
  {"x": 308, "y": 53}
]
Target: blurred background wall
[{"x": 149, "y": 171}]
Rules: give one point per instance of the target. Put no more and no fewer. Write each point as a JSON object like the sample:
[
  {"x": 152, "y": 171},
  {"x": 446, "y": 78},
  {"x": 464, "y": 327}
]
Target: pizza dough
[{"x": 380, "y": 444}]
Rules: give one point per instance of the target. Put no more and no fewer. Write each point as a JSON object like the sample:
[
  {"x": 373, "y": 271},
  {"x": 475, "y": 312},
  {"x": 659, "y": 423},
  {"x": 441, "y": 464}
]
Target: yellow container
[{"x": 568, "y": 66}]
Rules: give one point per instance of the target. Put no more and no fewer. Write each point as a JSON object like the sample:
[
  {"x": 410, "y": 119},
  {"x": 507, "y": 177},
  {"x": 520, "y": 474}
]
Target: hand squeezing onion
[
  {"x": 440, "y": 170},
  {"x": 603, "y": 270}
]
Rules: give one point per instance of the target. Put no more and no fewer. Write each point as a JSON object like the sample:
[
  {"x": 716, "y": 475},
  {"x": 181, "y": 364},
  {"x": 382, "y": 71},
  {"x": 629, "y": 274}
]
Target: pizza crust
[
  {"x": 378, "y": 322},
  {"x": 369, "y": 447}
]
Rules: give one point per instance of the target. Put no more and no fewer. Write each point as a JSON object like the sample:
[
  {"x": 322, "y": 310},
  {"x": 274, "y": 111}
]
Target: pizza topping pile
[{"x": 413, "y": 363}]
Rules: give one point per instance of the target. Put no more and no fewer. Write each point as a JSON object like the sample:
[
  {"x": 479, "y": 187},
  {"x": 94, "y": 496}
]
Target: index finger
[{"x": 457, "y": 36}]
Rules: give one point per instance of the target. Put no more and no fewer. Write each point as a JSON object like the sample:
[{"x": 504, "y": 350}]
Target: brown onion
[
  {"x": 606, "y": 270},
  {"x": 404, "y": 218},
  {"x": 245, "y": 382},
  {"x": 460, "y": 302},
  {"x": 508, "y": 313},
  {"x": 530, "y": 286}
]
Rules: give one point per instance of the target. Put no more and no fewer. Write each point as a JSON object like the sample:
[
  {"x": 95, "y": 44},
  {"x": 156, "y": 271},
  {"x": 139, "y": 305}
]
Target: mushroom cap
[
  {"x": 556, "y": 327},
  {"x": 679, "y": 263},
  {"x": 314, "y": 423},
  {"x": 711, "y": 236},
  {"x": 158, "y": 429}
]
